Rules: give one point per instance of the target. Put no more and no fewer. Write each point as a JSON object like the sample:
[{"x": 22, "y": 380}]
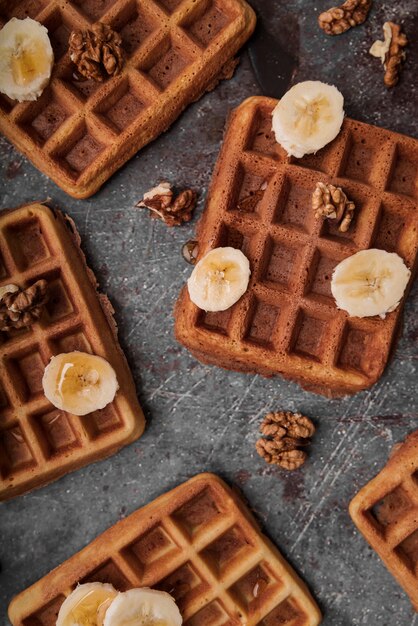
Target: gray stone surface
[{"x": 202, "y": 418}]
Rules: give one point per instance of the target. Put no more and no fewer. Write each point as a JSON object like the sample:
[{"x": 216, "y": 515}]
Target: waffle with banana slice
[
  {"x": 261, "y": 203},
  {"x": 199, "y": 543},
  {"x": 39, "y": 441}
]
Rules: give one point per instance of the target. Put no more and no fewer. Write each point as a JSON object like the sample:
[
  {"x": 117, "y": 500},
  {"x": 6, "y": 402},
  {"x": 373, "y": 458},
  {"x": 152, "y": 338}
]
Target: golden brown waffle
[
  {"x": 39, "y": 443},
  {"x": 80, "y": 132},
  {"x": 199, "y": 543},
  {"x": 386, "y": 513},
  {"x": 260, "y": 201}
]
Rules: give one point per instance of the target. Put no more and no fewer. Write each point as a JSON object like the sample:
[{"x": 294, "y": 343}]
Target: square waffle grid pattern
[
  {"x": 386, "y": 513},
  {"x": 287, "y": 321},
  {"x": 79, "y": 132},
  {"x": 37, "y": 441},
  {"x": 195, "y": 542}
]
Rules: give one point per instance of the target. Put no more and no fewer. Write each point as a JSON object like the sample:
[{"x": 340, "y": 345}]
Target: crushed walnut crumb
[
  {"x": 164, "y": 205},
  {"x": 21, "y": 307},
  {"x": 284, "y": 434},
  {"x": 97, "y": 53},
  {"x": 338, "y": 20},
  {"x": 391, "y": 51},
  {"x": 331, "y": 202}
]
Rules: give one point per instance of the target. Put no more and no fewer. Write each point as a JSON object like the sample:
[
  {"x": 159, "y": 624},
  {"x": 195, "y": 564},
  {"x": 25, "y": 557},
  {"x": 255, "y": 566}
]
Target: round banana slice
[
  {"x": 143, "y": 607},
  {"x": 219, "y": 279},
  {"x": 370, "y": 282},
  {"x": 84, "y": 606},
  {"x": 79, "y": 383},
  {"x": 308, "y": 117},
  {"x": 26, "y": 59}
]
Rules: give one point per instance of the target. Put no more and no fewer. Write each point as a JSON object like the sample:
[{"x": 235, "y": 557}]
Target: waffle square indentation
[
  {"x": 279, "y": 264},
  {"x": 251, "y": 191},
  {"x": 408, "y": 551},
  {"x": 27, "y": 243},
  {"x": 183, "y": 584},
  {"x": 309, "y": 336},
  {"x": 262, "y": 322},
  {"x": 102, "y": 422},
  {"x": 7, "y": 104},
  {"x": 26, "y": 371},
  {"x": 74, "y": 340},
  {"x": 360, "y": 350},
  {"x": 360, "y": 159},
  {"x": 222, "y": 553},
  {"x": 287, "y": 613},
  {"x": 49, "y": 119},
  {"x": 93, "y": 9},
  {"x": 47, "y": 615},
  {"x": 322, "y": 269},
  {"x": 255, "y": 588},
  {"x": 404, "y": 176},
  {"x": 229, "y": 236},
  {"x": 262, "y": 139},
  {"x": 294, "y": 206},
  {"x": 196, "y": 514},
  {"x": 110, "y": 573},
  {"x": 151, "y": 549},
  {"x": 207, "y": 22},
  {"x": 15, "y": 452},
  {"x": 389, "y": 230},
  {"x": 167, "y": 62},
  {"x": 26, "y": 8},
  {"x": 169, "y": 5},
  {"x": 215, "y": 321},
  {"x": 213, "y": 614},
  {"x": 134, "y": 25},
  {"x": 122, "y": 106},
  {"x": 321, "y": 161},
  {"x": 82, "y": 153},
  {"x": 391, "y": 510},
  {"x": 56, "y": 431},
  {"x": 82, "y": 87},
  {"x": 59, "y": 31},
  {"x": 58, "y": 304}
]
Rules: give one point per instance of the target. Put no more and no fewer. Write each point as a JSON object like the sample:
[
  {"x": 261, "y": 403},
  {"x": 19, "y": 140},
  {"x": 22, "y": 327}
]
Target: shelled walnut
[
  {"x": 284, "y": 434},
  {"x": 331, "y": 202},
  {"x": 172, "y": 210},
  {"x": 338, "y": 20},
  {"x": 391, "y": 51},
  {"x": 21, "y": 307},
  {"x": 97, "y": 53}
]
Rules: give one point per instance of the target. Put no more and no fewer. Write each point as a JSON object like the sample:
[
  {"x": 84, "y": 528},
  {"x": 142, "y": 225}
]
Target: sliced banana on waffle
[
  {"x": 143, "y": 607},
  {"x": 79, "y": 383},
  {"x": 370, "y": 282},
  {"x": 308, "y": 117},
  {"x": 86, "y": 605},
  {"x": 26, "y": 59},
  {"x": 219, "y": 279}
]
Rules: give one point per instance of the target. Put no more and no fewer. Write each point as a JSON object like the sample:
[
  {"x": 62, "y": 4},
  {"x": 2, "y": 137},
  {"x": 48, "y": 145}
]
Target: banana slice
[
  {"x": 143, "y": 607},
  {"x": 79, "y": 383},
  {"x": 84, "y": 606},
  {"x": 219, "y": 279},
  {"x": 26, "y": 59},
  {"x": 370, "y": 282},
  {"x": 308, "y": 117}
]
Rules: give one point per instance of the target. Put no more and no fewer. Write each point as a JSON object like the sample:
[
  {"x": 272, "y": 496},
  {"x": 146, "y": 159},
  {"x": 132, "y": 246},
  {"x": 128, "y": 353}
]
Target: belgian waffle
[
  {"x": 80, "y": 132},
  {"x": 39, "y": 443},
  {"x": 385, "y": 512},
  {"x": 260, "y": 201},
  {"x": 197, "y": 542}
]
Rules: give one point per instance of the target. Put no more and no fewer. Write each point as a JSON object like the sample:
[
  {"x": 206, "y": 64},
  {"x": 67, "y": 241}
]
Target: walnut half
[
  {"x": 337, "y": 20},
  {"x": 284, "y": 434}
]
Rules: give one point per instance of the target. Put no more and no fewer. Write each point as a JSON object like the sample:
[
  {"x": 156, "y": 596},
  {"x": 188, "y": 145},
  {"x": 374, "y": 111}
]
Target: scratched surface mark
[{"x": 202, "y": 418}]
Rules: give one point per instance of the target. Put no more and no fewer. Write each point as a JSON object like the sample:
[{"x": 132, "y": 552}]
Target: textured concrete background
[{"x": 202, "y": 418}]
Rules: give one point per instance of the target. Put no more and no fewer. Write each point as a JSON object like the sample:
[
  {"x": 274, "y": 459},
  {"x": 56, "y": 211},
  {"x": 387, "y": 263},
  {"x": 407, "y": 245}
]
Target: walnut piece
[
  {"x": 97, "y": 53},
  {"x": 330, "y": 202},
  {"x": 391, "y": 52},
  {"x": 337, "y": 20},
  {"x": 163, "y": 205},
  {"x": 21, "y": 307},
  {"x": 285, "y": 433}
]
